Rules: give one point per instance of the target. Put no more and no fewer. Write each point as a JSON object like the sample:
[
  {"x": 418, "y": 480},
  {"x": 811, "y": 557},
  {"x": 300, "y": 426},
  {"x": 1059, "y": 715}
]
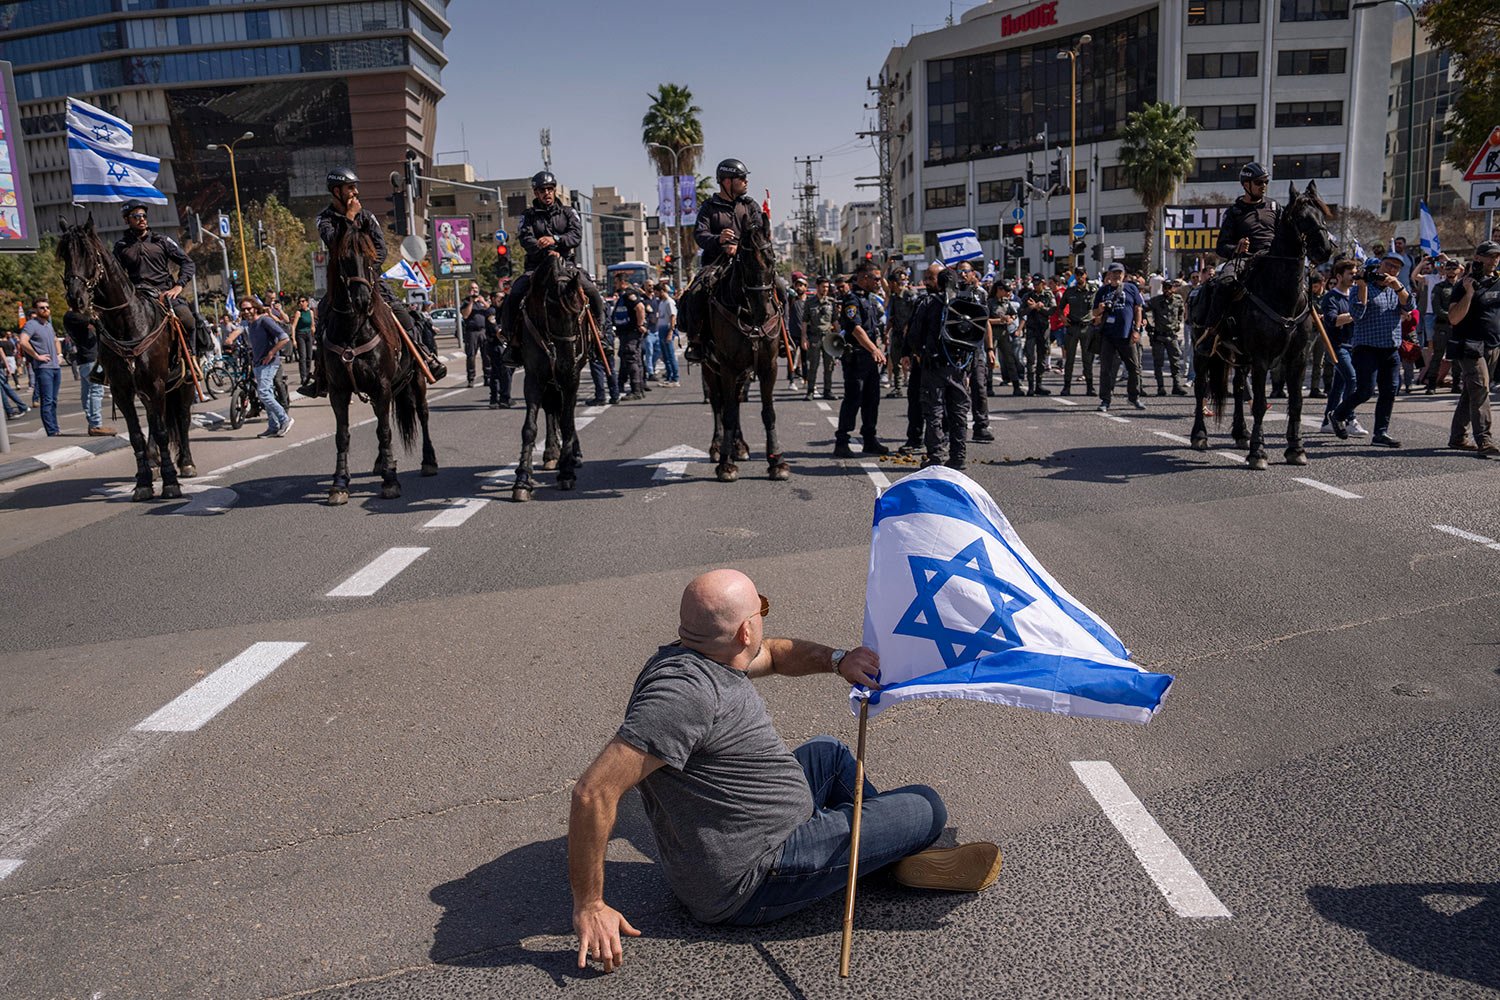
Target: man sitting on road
[
  {"x": 721, "y": 220},
  {"x": 748, "y": 831}
]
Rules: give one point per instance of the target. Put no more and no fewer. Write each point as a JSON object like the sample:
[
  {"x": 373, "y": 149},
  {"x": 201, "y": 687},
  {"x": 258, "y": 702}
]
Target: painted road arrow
[{"x": 673, "y": 462}]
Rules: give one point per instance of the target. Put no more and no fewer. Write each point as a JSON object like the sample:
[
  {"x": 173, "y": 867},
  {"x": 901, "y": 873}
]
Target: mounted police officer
[
  {"x": 548, "y": 226},
  {"x": 721, "y": 220},
  {"x": 148, "y": 259},
  {"x": 343, "y": 210},
  {"x": 1245, "y": 230}
]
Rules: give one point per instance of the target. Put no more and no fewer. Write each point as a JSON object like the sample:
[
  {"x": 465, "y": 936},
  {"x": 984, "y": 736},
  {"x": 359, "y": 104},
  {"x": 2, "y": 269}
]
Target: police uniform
[
  {"x": 714, "y": 217},
  {"x": 1165, "y": 312},
  {"x": 979, "y": 376},
  {"x": 943, "y": 381},
  {"x": 1251, "y": 220},
  {"x": 148, "y": 259},
  {"x": 819, "y": 318},
  {"x": 629, "y": 334},
  {"x": 1036, "y": 308},
  {"x": 1078, "y": 300},
  {"x": 565, "y": 226},
  {"x": 903, "y": 306},
  {"x": 861, "y": 373}
]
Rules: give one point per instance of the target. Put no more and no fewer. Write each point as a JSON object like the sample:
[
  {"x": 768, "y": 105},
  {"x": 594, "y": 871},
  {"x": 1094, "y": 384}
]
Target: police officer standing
[
  {"x": 1165, "y": 311},
  {"x": 148, "y": 259},
  {"x": 628, "y": 317},
  {"x": 478, "y": 319},
  {"x": 819, "y": 319},
  {"x": 944, "y": 364},
  {"x": 902, "y": 305},
  {"x": 1037, "y": 304},
  {"x": 862, "y": 360},
  {"x": 1081, "y": 337}
]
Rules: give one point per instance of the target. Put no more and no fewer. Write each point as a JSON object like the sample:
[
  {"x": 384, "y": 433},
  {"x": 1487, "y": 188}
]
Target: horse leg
[
  {"x": 1201, "y": 363},
  {"x": 157, "y": 416},
  {"x": 776, "y": 465},
  {"x": 551, "y": 449},
  {"x": 338, "y": 493},
  {"x": 1257, "y": 457},
  {"x": 385, "y": 459},
  {"x": 524, "y": 485},
  {"x": 183, "y": 405},
  {"x": 567, "y": 474},
  {"x": 729, "y": 402},
  {"x": 138, "y": 443},
  {"x": 429, "y": 456},
  {"x": 1295, "y": 453},
  {"x": 711, "y": 391},
  {"x": 1241, "y": 435}
]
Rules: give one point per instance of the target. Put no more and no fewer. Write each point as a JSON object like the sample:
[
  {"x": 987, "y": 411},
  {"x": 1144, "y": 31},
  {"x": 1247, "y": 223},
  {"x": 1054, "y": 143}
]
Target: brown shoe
[
  {"x": 965, "y": 868},
  {"x": 1461, "y": 445},
  {"x": 101, "y": 432}
]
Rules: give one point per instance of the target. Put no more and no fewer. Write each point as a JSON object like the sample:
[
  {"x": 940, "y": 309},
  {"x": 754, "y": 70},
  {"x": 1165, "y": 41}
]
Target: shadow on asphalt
[
  {"x": 1450, "y": 928},
  {"x": 1120, "y": 463},
  {"x": 492, "y": 914}
]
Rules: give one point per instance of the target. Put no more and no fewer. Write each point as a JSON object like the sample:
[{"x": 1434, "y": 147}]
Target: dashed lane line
[
  {"x": 381, "y": 570},
  {"x": 1345, "y": 494},
  {"x": 1064, "y": 402},
  {"x": 1468, "y": 536},
  {"x": 825, "y": 407},
  {"x": 1184, "y": 889},
  {"x": 1111, "y": 416},
  {"x": 1172, "y": 437},
  {"x": 242, "y": 463},
  {"x": 461, "y": 511},
  {"x": 8, "y": 866},
  {"x": 872, "y": 469},
  {"x": 445, "y": 395},
  {"x": 198, "y": 704}
]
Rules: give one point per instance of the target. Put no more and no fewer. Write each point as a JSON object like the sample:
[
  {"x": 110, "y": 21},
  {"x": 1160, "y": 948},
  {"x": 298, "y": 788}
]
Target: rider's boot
[
  {"x": 313, "y": 387},
  {"x": 434, "y": 364}
]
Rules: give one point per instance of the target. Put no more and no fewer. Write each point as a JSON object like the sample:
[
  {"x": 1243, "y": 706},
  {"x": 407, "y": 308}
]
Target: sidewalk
[{"x": 31, "y": 450}]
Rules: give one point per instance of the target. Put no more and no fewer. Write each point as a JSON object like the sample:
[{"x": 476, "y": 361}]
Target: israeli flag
[
  {"x": 958, "y": 607},
  {"x": 959, "y": 245},
  {"x": 1359, "y": 252},
  {"x": 99, "y": 128},
  {"x": 104, "y": 167},
  {"x": 1427, "y": 231}
]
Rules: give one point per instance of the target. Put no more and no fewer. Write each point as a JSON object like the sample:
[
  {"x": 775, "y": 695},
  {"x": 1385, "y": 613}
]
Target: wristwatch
[{"x": 837, "y": 658}]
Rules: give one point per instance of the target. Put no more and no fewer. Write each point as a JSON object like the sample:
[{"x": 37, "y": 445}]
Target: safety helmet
[
  {"x": 131, "y": 206},
  {"x": 1253, "y": 171},
  {"x": 543, "y": 179},
  {"x": 731, "y": 168},
  {"x": 341, "y": 175}
]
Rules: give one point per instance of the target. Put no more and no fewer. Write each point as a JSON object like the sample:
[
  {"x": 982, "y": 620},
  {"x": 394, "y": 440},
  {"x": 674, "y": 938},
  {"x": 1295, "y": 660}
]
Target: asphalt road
[{"x": 383, "y": 814}]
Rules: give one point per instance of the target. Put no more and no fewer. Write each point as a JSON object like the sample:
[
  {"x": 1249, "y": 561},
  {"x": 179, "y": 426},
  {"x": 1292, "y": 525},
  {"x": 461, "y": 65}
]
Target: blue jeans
[
  {"x": 1343, "y": 378},
  {"x": 46, "y": 382},
  {"x": 265, "y": 391},
  {"x": 93, "y": 395},
  {"x": 649, "y": 348},
  {"x": 12, "y": 399},
  {"x": 1376, "y": 369},
  {"x": 668, "y": 353},
  {"x": 814, "y": 861}
]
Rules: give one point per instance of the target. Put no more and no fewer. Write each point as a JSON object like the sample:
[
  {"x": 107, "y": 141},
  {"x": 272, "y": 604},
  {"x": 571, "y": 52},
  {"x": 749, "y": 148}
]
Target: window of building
[
  {"x": 1216, "y": 170},
  {"x": 989, "y": 233},
  {"x": 1301, "y": 114},
  {"x": 1315, "y": 10},
  {"x": 1124, "y": 222},
  {"x": 1309, "y": 62},
  {"x": 1223, "y": 12},
  {"x": 993, "y": 191},
  {"x": 1218, "y": 117},
  {"x": 1222, "y": 65},
  {"x": 1304, "y": 166},
  {"x": 1113, "y": 178},
  {"x": 951, "y": 196},
  {"x": 999, "y": 101}
]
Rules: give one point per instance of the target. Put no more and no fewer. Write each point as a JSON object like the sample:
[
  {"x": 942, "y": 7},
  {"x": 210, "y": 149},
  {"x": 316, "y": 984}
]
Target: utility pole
[
  {"x": 546, "y": 137},
  {"x": 885, "y": 99},
  {"x": 807, "y": 210}
]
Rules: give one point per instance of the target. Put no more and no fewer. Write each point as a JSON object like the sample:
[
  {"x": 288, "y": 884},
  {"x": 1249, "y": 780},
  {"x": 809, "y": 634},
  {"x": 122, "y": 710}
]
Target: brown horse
[
  {"x": 362, "y": 352},
  {"x": 556, "y": 338},
  {"x": 144, "y": 353},
  {"x": 744, "y": 329}
]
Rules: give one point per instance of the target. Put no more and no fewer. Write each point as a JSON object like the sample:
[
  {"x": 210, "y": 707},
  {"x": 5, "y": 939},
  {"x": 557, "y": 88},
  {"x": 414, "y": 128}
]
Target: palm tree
[
  {"x": 672, "y": 121},
  {"x": 1156, "y": 154}
]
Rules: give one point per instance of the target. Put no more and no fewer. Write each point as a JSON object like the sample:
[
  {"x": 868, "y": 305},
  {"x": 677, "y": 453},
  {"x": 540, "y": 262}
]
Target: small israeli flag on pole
[
  {"x": 959, "y": 245},
  {"x": 1427, "y": 230}
]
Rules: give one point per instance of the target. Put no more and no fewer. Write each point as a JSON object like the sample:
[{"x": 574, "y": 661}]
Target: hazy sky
[{"x": 775, "y": 79}]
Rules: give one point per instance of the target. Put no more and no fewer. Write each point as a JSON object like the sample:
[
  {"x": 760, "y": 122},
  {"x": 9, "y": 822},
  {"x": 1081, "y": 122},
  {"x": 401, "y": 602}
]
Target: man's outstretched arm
[
  {"x": 618, "y": 768},
  {"x": 798, "y": 658}
]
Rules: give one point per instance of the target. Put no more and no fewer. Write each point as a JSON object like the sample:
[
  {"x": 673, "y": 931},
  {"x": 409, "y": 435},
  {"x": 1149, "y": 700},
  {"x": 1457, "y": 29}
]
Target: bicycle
[{"x": 244, "y": 403}]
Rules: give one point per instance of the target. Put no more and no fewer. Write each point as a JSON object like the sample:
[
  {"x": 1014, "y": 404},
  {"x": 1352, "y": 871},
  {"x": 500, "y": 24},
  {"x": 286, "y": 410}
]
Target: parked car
[{"x": 444, "y": 320}]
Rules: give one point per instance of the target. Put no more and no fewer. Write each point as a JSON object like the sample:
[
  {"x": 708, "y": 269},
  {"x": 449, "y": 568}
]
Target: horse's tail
[
  {"x": 406, "y": 409},
  {"x": 1218, "y": 384}
]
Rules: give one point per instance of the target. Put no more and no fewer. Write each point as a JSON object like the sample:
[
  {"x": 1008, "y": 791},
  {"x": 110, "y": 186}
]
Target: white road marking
[
  {"x": 503, "y": 472},
  {"x": 833, "y": 421},
  {"x": 62, "y": 456},
  {"x": 1312, "y": 422},
  {"x": 1174, "y": 875},
  {"x": 8, "y": 866},
  {"x": 216, "y": 473},
  {"x": 1231, "y": 456},
  {"x": 825, "y": 407},
  {"x": 872, "y": 469},
  {"x": 1172, "y": 437},
  {"x": 189, "y": 711},
  {"x": 445, "y": 395},
  {"x": 1111, "y": 416},
  {"x": 381, "y": 571},
  {"x": 594, "y": 411},
  {"x": 460, "y": 512},
  {"x": 1064, "y": 402},
  {"x": 579, "y": 423},
  {"x": 206, "y": 500},
  {"x": 1327, "y": 489},
  {"x": 1468, "y": 536}
]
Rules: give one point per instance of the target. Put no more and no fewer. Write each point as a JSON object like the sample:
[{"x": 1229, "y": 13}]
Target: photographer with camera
[
  {"x": 478, "y": 319},
  {"x": 1475, "y": 346},
  {"x": 1378, "y": 304},
  {"x": 1119, "y": 311}
]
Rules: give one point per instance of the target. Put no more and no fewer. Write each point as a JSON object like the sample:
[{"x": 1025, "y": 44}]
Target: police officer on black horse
[
  {"x": 548, "y": 226},
  {"x": 1245, "y": 230},
  {"x": 343, "y": 210},
  {"x": 148, "y": 259},
  {"x": 721, "y": 220}
]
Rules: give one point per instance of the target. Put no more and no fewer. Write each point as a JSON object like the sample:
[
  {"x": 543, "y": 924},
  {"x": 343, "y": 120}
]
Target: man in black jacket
[
  {"x": 1245, "y": 230},
  {"x": 149, "y": 259},
  {"x": 548, "y": 226},
  {"x": 721, "y": 220}
]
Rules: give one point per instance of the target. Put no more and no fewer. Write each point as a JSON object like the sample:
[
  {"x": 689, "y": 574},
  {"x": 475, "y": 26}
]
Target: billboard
[
  {"x": 1191, "y": 228},
  {"x": 453, "y": 246},
  {"x": 18, "y": 227},
  {"x": 677, "y": 196}
]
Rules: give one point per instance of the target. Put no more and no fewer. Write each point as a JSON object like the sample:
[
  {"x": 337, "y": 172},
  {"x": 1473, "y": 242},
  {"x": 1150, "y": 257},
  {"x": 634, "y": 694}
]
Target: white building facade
[{"x": 1299, "y": 85}]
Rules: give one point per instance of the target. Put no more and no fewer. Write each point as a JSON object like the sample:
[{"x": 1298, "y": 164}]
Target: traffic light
[
  {"x": 260, "y": 236},
  {"x": 502, "y": 261},
  {"x": 1077, "y": 247},
  {"x": 1049, "y": 255},
  {"x": 400, "y": 223},
  {"x": 193, "y": 228},
  {"x": 1058, "y": 177},
  {"x": 668, "y": 266},
  {"x": 1097, "y": 252},
  {"x": 1017, "y": 240}
]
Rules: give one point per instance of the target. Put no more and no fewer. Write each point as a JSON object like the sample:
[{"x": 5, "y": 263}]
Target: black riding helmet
[
  {"x": 131, "y": 206},
  {"x": 731, "y": 168},
  {"x": 543, "y": 179},
  {"x": 341, "y": 175},
  {"x": 1253, "y": 171}
]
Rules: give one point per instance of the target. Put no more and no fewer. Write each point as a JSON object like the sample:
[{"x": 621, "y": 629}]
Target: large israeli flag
[
  {"x": 98, "y": 127},
  {"x": 1427, "y": 231},
  {"x": 958, "y": 607},
  {"x": 103, "y": 163},
  {"x": 959, "y": 245}
]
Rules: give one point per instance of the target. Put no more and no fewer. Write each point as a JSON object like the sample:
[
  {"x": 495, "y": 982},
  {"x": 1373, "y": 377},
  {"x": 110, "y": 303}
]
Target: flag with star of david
[
  {"x": 958, "y": 607},
  {"x": 102, "y": 160}
]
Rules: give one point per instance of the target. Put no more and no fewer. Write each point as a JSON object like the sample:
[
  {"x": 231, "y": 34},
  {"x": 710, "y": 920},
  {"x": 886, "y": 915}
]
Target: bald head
[{"x": 714, "y": 605}]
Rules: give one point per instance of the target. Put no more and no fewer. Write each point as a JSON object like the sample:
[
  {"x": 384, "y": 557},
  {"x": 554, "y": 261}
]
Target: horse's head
[
  {"x": 82, "y": 257},
  {"x": 1308, "y": 215},
  {"x": 755, "y": 268},
  {"x": 355, "y": 256}
]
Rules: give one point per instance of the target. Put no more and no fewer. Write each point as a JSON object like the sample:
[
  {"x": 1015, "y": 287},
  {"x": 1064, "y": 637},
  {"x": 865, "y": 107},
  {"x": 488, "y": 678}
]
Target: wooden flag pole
[
  {"x": 859, "y": 802},
  {"x": 1327, "y": 344}
]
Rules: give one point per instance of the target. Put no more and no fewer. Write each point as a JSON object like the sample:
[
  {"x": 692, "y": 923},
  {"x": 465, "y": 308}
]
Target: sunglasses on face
[
  {"x": 765, "y": 605},
  {"x": 136, "y": 215}
]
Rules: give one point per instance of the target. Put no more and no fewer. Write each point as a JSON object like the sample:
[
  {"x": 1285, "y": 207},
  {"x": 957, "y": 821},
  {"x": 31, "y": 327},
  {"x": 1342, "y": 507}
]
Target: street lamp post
[
  {"x": 1411, "y": 96},
  {"x": 1072, "y": 56},
  {"x": 234, "y": 180},
  {"x": 676, "y": 202}
]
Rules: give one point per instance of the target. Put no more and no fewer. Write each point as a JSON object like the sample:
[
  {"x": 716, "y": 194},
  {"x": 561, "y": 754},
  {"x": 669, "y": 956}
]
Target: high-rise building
[
  {"x": 1434, "y": 180},
  {"x": 321, "y": 83}
]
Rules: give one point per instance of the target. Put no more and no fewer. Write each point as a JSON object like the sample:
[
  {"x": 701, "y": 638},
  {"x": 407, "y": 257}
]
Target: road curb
[{"x": 60, "y": 457}]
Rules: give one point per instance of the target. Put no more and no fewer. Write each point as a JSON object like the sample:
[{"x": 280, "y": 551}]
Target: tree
[
  {"x": 672, "y": 121},
  {"x": 284, "y": 231},
  {"x": 25, "y": 277},
  {"x": 1156, "y": 155},
  {"x": 1470, "y": 31}
]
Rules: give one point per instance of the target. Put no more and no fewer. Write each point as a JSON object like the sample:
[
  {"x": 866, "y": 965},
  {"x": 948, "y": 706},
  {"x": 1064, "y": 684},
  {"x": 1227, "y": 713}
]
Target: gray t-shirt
[
  {"x": 731, "y": 792},
  {"x": 43, "y": 341}
]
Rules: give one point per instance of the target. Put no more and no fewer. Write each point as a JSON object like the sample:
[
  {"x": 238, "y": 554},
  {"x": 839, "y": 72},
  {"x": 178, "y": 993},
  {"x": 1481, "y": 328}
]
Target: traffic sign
[
  {"x": 1080, "y": 230},
  {"x": 1484, "y": 196},
  {"x": 413, "y": 247},
  {"x": 501, "y": 236},
  {"x": 224, "y": 225},
  {"x": 1018, "y": 214},
  {"x": 1486, "y": 165}
]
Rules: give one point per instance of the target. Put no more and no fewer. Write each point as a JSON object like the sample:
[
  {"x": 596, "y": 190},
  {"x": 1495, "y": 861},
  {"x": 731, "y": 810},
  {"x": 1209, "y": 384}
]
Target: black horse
[
  {"x": 1271, "y": 321},
  {"x": 363, "y": 352},
  {"x": 143, "y": 352},
  {"x": 744, "y": 334},
  {"x": 555, "y": 337}
]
